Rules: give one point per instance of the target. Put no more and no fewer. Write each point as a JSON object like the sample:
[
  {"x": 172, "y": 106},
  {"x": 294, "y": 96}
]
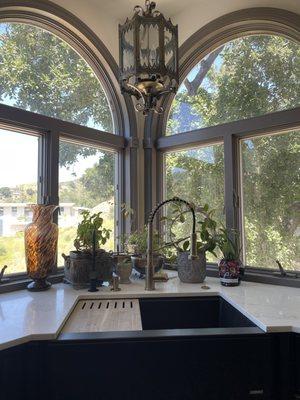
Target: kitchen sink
[
  {"x": 190, "y": 313},
  {"x": 153, "y": 317}
]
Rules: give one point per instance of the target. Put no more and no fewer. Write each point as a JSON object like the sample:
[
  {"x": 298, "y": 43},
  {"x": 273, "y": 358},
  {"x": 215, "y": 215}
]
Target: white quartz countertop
[{"x": 26, "y": 316}]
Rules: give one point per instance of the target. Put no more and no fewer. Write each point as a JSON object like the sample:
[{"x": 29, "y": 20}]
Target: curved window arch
[
  {"x": 42, "y": 73},
  {"x": 247, "y": 77}
]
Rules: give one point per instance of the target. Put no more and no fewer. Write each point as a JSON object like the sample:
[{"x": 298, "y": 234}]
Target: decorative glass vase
[{"x": 41, "y": 246}]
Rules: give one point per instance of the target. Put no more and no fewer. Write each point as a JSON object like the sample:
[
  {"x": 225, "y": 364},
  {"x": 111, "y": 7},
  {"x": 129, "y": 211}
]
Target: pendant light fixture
[{"x": 148, "y": 45}]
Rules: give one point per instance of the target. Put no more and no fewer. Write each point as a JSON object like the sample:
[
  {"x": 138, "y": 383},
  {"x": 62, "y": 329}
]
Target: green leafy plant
[
  {"x": 90, "y": 223},
  {"x": 206, "y": 230},
  {"x": 136, "y": 242},
  {"x": 228, "y": 243}
]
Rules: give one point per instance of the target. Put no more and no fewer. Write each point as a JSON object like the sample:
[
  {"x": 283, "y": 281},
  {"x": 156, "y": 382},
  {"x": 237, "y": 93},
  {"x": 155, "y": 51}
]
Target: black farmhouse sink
[{"x": 190, "y": 313}]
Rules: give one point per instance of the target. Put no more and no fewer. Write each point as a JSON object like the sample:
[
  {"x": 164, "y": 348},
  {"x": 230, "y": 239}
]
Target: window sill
[
  {"x": 21, "y": 283},
  {"x": 260, "y": 277}
]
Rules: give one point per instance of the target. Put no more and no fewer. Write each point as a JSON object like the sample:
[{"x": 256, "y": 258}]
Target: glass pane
[
  {"x": 149, "y": 45},
  {"x": 18, "y": 188},
  {"x": 246, "y": 77},
  {"x": 197, "y": 175},
  {"x": 170, "y": 44},
  {"x": 127, "y": 46},
  {"x": 271, "y": 199},
  {"x": 86, "y": 182},
  {"x": 41, "y": 73}
]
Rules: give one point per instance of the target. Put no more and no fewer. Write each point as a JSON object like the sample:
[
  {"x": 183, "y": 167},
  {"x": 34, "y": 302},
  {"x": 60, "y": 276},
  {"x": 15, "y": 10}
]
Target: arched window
[
  {"x": 40, "y": 72},
  {"x": 252, "y": 76},
  {"x": 247, "y": 77},
  {"x": 56, "y": 159}
]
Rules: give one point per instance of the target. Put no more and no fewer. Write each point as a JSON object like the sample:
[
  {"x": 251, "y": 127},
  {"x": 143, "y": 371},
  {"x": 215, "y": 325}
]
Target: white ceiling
[{"x": 103, "y": 16}]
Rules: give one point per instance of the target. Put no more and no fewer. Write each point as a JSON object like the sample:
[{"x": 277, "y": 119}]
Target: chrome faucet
[{"x": 150, "y": 280}]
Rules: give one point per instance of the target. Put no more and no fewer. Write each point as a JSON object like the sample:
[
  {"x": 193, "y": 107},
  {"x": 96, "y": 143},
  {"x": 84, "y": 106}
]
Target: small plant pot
[
  {"x": 230, "y": 272},
  {"x": 120, "y": 257},
  {"x": 191, "y": 271},
  {"x": 78, "y": 268},
  {"x": 139, "y": 263},
  {"x": 124, "y": 269}
]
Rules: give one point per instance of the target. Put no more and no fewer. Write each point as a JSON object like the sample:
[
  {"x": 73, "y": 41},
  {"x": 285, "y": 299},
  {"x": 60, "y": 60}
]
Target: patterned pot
[
  {"x": 229, "y": 272},
  {"x": 78, "y": 268},
  {"x": 41, "y": 246},
  {"x": 191, "y": 271}
]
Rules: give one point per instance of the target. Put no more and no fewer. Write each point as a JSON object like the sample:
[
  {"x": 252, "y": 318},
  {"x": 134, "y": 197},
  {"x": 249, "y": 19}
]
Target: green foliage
[
  {"x": 252, "y": 76},
  {"x": 90, "y": 225},
  {"x": 136, "y": 242},
  {"x": 228, "y": 243},
  {"x": 42, "y": 73},
  {"x": 206, "y": 228}
]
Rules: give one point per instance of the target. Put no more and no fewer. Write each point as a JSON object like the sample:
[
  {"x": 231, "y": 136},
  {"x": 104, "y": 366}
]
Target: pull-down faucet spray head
[{"x": 193, "y": 245}]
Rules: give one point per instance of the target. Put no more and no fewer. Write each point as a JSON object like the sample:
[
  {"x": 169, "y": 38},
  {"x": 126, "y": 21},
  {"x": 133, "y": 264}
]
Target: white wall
[{"x": 103, "y": 16}]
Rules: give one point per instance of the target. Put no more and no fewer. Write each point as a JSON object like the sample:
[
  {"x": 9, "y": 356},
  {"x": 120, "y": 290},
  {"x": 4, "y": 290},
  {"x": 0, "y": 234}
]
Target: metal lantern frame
[{"x": 148, "y": 83}]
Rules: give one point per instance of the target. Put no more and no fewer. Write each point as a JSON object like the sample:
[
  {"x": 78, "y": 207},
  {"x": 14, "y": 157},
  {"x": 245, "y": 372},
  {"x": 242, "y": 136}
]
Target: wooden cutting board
[{"x": 104, "y": 315}]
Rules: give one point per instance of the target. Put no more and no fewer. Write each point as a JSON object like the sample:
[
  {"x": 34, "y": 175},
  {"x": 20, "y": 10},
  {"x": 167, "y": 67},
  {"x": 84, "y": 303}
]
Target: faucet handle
[{"x": 115, "y": 283}]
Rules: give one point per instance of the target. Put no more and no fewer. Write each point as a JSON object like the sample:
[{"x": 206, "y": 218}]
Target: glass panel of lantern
[
  {"x": 170, "y": 46},
  {"x": 127, "y": 46},
  {"x": 149, "y": 45}
]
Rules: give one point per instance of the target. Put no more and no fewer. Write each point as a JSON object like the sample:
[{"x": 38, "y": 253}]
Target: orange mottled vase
[{"x": 41, "y": 246}]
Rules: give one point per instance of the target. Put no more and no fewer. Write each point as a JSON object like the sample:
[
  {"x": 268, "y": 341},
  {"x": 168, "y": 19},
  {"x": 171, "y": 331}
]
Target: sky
[{"x": 19, "y": 160}]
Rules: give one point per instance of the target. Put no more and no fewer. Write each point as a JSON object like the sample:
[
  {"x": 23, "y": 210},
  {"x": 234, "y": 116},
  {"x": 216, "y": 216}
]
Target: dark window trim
[
  {"x": 20, "y": 281},
  {"x": 261, "y": 125},
  {"x": 23, "y": 119},
  {"x": 261, "y": 275}
]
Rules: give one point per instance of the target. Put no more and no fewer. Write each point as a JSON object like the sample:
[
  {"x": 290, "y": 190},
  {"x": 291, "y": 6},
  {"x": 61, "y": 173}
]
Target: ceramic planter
[
  {"x": 78, "y": 267},
  {"x": 41, "y": 246},
  {"x": 229, "y": 272},
  {"x": 139, "y": 263},
  {"x": 191, "y": 271},
  {"x": 124, "y": 269}
]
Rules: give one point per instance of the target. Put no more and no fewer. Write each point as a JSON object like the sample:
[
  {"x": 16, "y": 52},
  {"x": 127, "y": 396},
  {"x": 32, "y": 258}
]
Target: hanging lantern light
[{"x": 148, "y": 57}]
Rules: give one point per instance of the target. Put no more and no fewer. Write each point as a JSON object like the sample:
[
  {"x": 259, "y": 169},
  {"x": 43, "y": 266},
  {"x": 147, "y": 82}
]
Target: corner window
[
  {"x": 246, "y": 77},
  {"x": 252, "y": 76},
  {"x": 271, "y": 200},
  {"x": 43, "y": 74}
]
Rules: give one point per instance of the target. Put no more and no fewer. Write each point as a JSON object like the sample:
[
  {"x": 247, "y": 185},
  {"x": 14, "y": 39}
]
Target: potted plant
[
  {"x": 136, "y": 245},
  {"x": 192, "y": 271},
  {"x": 90, "y": 234},
  {"x": 230, "y": 266}
]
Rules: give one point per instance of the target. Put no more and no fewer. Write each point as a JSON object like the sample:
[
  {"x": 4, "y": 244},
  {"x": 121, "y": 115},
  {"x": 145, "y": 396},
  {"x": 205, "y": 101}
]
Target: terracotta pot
[
  {"x": 78, "y": 268},
  {"x": 230, "y": 272},
  {"x": 191, "y": 271},
  {"x": 41, "y": 246}
]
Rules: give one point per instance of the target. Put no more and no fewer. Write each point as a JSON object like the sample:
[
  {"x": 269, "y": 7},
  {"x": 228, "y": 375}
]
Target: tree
[
  {"x": 41, "y": 73},
  {"x": 250, "y": 76},
  {"x": 5, "y": 192}
]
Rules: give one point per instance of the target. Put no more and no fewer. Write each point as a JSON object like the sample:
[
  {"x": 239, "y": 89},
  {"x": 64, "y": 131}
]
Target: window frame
[
  {"x": 122, "y": 141},
  {"x": 222, "y": 30}
]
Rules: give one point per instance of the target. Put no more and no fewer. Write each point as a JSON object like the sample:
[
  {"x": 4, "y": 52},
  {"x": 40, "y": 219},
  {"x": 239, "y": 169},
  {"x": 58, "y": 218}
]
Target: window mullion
[
  {"x": 50, "y": 160},
  {"x": 231, "y": 201}
]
